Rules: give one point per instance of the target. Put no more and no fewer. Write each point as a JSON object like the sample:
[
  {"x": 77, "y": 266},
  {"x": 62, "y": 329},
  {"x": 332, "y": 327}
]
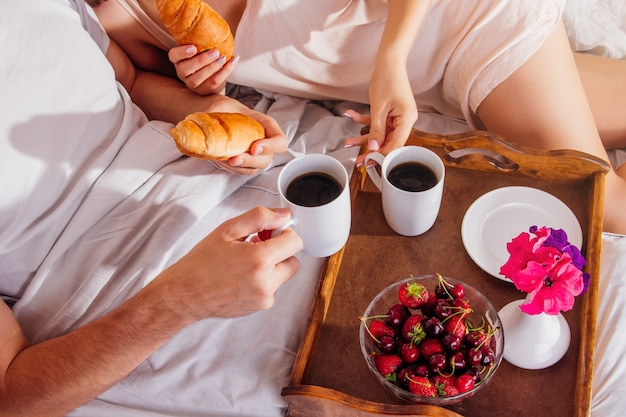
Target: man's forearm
[{"x": 53, "y": 377}]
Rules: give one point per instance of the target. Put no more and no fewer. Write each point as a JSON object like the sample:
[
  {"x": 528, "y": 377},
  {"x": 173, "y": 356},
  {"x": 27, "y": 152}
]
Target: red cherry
[
  {"x": 457, "y": 291},
  {"x": 397, "y": 314},
  {"x": 409, "y": 353},
  {"x": 387, "y": 344}
]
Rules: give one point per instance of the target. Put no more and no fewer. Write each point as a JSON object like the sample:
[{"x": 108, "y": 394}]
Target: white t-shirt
[{"x": 325, "y": 49}]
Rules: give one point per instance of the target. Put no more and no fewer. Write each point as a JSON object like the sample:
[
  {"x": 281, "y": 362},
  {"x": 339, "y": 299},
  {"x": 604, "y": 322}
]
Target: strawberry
[
  {"x": 378, "y": 328},
  {"x": 264, "y": 234},
  {"x": 429, "y": 347},
  {"x": 446, "y": 385},
  {"x": 422, "y": 386},
  {"x": 387, "y": 365},
  {"x": 456, "y": 325},
  {"x": 412, "y": 329},
  {"x": 465, "y": 382},
  {"x": 413, "y": 295}
]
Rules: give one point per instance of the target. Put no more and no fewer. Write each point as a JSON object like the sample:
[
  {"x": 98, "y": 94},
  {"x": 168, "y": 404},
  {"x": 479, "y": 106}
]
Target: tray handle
[
  {"x": 316, "y": 401},
  {"x": 485, "y": 151}
]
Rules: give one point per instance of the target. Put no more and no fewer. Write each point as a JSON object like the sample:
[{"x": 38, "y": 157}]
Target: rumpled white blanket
[{"x": 153, "y": 206}]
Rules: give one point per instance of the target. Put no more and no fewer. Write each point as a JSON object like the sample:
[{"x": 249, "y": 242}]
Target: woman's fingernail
[
  {"x": 221, "y": 60},
  {"x": 373, "y": 145},
  {"x": 213, "y": 54},
  {"x": 235, "y": 60},
  {"x": 190, "y": 50},
  {"x": 348, "y": 145},
  {"x": 348, "y": 115},
  {"x": 258, "y": 150}
]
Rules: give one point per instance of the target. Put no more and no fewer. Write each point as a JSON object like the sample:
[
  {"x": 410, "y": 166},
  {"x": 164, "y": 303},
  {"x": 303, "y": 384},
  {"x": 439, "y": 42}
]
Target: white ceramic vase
[{"x": 533, "y": 341}]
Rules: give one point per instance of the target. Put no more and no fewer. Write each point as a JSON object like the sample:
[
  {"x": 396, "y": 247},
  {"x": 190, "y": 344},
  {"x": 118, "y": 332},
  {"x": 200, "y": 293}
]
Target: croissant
[
  {"x": 194, "y": 22},
  {"x": 216, "y": 135}
]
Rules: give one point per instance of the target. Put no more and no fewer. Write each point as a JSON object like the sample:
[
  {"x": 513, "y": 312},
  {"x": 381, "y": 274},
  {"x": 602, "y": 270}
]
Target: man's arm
[{"x": 55, "y": 376}]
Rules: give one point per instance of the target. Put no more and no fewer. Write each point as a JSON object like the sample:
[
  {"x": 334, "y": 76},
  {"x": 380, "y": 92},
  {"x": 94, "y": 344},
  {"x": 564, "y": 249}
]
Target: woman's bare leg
[
  {"x": 604, "y": 81},
  {"x": 543, "y": 105}
]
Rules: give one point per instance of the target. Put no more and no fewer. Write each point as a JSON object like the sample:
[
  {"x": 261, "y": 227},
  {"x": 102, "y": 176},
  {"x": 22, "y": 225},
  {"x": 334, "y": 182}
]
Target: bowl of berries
[{"x": 432, "y": 339}]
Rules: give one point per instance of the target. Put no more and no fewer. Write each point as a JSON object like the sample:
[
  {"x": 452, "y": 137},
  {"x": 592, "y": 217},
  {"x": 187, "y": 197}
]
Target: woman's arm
[
  {"x": 165, "y": 98},
  {"x": 393, "y": 110}
]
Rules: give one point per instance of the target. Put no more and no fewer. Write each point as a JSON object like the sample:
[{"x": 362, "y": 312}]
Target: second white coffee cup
[
  {"x": 315, "y": 188},
  {"x": 411, "y": 183}
]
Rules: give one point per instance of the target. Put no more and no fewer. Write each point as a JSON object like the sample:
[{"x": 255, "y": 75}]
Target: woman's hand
[
  {"x": 261, "y": 152},
  {"x": 392, "y": 105},
  {"x": 203, "y": 73},
  {"x": 393, "y": 112}
]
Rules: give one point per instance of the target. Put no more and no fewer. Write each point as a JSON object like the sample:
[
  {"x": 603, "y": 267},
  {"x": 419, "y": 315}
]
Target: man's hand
[{"x": 227, "y": 275}]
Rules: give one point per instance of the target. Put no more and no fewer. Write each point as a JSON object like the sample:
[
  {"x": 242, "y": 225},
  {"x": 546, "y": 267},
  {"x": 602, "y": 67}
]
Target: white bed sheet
[{"x": 598, "y": 27}]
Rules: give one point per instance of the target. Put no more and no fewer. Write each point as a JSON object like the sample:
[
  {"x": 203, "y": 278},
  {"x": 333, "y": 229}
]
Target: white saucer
[{"x": 498, "y": 216}]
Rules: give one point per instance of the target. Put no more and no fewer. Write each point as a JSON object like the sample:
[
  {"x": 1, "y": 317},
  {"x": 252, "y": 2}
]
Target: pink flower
[{"x": 548, "y": 274}]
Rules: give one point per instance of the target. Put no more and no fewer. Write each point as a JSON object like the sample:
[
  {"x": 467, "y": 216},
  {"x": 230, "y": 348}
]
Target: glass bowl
[{"x": 483, "y": 317}]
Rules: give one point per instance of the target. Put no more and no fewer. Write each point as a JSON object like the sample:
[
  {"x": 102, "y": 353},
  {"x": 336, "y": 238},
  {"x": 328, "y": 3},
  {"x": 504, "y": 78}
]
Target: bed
[{"x": 149, "y": 206}]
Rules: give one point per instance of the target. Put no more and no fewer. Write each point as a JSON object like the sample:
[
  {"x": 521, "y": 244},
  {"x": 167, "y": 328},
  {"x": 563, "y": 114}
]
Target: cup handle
[
  {"x": 282, "y": 228},
  {"x": 371, "y": 170},
  {"x": 268, "y": 234}
]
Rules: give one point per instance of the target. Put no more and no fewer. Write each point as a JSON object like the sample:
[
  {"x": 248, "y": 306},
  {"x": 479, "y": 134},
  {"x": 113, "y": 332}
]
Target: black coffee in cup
[
  {"x": 412, "y": 176},
  {"x": 313, "y": 189}
]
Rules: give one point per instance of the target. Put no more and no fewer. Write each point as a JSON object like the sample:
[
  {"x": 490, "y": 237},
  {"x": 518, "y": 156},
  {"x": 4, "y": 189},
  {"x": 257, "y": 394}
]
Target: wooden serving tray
[{"x": 330, "y": 377}]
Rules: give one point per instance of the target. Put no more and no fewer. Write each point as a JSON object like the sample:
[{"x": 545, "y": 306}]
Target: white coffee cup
[
  {"x": 409, "y": 213},
  {"x": 323, "y": 225}
]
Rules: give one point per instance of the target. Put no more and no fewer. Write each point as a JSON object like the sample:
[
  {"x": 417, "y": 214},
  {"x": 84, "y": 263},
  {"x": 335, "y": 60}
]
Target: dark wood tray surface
[{"x": 375, "y": 256}]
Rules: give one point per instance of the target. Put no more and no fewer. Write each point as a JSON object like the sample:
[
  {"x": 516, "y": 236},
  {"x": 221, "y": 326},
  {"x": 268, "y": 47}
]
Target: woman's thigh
[
  {"x": 543, "y": 103},
  {"x": 604, "y": 81}
]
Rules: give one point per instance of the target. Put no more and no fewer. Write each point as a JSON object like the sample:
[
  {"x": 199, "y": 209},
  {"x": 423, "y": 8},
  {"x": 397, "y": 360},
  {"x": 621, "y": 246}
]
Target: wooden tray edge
[
  {"x": 591, "y": 166},
  {"x": 315, "y": 401},
  {"x": 588, "y": 320}
]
